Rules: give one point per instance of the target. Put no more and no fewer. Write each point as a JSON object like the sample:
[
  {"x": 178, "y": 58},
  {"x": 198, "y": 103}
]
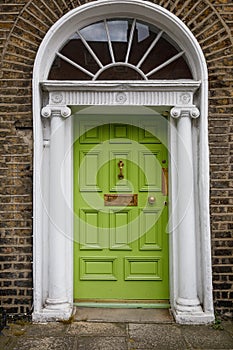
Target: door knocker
[{"x": 120, "y": 165}]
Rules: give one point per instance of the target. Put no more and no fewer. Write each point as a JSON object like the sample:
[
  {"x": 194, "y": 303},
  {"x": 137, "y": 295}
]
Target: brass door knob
[{"x": 151, "y": 199}]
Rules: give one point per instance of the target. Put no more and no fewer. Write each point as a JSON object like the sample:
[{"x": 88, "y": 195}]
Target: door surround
[{"x": 190, "y": 274}]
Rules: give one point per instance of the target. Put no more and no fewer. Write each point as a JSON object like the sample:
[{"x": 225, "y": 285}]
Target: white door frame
[{"x": 190, "y": 252}]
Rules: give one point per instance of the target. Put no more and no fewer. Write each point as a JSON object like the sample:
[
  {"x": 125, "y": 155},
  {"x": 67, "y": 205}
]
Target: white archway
[{"x": 190, "y": 274}]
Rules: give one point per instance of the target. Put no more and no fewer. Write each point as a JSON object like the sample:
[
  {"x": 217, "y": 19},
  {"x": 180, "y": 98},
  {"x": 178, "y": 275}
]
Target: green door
[{"x": 120, "y": 189}]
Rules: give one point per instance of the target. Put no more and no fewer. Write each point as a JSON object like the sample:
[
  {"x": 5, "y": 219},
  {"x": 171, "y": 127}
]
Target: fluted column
[
  {"x": 187, "y": 299},
  {"x": 57, "y": 295}
]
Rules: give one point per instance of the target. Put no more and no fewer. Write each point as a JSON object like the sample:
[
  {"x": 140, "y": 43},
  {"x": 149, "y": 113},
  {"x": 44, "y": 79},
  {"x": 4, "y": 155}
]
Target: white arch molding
[{"x": 190, "y": 252}]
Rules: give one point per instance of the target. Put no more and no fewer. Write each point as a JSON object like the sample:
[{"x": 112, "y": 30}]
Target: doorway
[{"x": 185, "y": 99}]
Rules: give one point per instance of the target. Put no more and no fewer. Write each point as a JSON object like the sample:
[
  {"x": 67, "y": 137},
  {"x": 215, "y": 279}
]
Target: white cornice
[{"x": 158, "y": 85}]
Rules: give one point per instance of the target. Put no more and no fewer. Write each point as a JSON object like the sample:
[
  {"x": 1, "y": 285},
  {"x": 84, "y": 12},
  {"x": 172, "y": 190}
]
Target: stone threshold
[{"x": 96, "y": 314}]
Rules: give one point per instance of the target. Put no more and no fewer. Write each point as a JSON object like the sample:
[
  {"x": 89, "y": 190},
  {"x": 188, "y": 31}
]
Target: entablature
[{"x": 157, "y": 93}]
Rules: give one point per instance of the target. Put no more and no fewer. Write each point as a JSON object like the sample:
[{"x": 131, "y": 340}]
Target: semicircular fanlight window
[{"x": 119, "y": 49}]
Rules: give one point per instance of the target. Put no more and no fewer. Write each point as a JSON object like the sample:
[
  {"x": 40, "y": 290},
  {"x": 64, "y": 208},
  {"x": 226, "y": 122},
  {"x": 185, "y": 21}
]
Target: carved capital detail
[
  {"x": 178, "y": 112},
  {"x": 46, "y": 112},
  {"x": 65, "y": 112},
  {"x": 56, "y": 111}
]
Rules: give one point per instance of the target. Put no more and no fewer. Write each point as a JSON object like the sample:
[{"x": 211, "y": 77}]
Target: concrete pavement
[{"x": 93, "y": 335}]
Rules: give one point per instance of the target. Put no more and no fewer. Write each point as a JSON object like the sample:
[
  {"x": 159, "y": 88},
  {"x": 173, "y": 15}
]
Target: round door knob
[{"x": 151, "y": 200}]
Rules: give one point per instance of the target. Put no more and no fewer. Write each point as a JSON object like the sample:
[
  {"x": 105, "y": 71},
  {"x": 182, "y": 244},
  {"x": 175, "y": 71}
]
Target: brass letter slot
[{"x": 122, "y": 200}]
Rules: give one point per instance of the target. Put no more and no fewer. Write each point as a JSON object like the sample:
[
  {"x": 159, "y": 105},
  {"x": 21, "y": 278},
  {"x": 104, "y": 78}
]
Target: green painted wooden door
[{"x": 120, "y": 248}]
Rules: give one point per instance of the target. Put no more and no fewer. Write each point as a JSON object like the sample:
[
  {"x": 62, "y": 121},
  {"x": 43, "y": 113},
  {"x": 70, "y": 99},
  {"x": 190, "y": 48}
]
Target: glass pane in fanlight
[
  {"x": 118, "y": 30},
  {"x": 94, "y": 32}
]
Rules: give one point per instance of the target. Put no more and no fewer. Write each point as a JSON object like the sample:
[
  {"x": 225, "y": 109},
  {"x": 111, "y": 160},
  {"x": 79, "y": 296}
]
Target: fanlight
[{"x": 119, "y": 49}]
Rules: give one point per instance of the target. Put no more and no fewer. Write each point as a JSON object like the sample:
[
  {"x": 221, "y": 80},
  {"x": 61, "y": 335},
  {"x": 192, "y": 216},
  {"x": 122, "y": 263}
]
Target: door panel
[
  {"x": 142, "y": 268},
  {"x": 98, "y": 268},
  {"x": 90, "y": 230},
  {"x": 151, "y": 236},
  {"x": 121, "y": 236},
  {"x": 89, "y": 179},
  {"x": 150, "y": 178},
  {"x": 120, "y": 250}
]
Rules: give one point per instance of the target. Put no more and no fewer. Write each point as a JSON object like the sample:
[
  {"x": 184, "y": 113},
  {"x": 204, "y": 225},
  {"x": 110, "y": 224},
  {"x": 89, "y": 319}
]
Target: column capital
[
  {"x": 185, "y": 111},
  {"x": 55, "y": 111}
]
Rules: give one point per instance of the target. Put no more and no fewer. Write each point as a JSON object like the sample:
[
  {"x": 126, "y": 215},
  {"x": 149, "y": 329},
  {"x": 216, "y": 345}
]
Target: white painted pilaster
[
  {"x": 57, "y": 299},
  {"x": 187, "y": 303}
]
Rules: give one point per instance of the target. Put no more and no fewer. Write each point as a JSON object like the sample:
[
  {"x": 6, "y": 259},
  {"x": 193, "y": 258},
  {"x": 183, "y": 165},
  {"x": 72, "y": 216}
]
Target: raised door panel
[
  {"x": 151, "y": 230},
  {"x": 153, "y": 130},
  {"x": 90, "y": 229},
  {"x": 120, "y": 134},
  {"x": 120, "y": 230},
  {"x": 96, "y": 268},
  {"x": 145, "y": 268},
  {"x": 89, "y": 177},
  {"x": 90, "y": 131},
  {"x": 150, "y": 171}
]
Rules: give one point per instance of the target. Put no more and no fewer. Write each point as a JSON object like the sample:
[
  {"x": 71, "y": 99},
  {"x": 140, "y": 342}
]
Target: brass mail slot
[{"x": 123, "y": 200}]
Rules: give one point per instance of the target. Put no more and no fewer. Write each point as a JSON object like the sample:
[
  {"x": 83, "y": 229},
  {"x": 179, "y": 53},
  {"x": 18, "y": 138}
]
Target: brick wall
[{"x": 23, "y": 25}]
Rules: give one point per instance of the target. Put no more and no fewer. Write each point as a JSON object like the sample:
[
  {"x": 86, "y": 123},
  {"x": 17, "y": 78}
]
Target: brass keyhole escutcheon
[{"x": 120, "y": 165}]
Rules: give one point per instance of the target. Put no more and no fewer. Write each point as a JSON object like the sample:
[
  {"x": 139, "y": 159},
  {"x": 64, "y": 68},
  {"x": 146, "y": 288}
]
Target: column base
[
  {"x": 188, "y": 305},
  {"x": 48, "y": 315},
  {"x": 193, "y": 317},
  {"x": 56, "y": 304},
  {"x": 189, "y": 311}
]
